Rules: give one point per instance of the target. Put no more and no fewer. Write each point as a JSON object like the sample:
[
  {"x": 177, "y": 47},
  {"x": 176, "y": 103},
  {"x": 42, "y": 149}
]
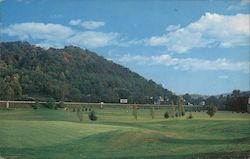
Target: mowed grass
[{"x": 44, "y": 133}]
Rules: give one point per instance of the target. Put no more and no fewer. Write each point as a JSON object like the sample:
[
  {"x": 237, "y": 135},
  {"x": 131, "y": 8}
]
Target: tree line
[{"x": 236, "y": 101}]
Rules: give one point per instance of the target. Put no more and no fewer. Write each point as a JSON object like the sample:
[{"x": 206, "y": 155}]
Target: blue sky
[{"x": 188, "y": 46}]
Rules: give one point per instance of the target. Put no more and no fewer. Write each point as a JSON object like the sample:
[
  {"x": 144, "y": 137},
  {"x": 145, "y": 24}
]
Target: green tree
[
  {"x": 173, "y": 110},
  {"x": 181, "y": 107},
  {"x": 236, "y": 93},
  {"x": 92, "y": 116},
  {"x": 212, "y": 100},
  {"x": 211, "y": 110},
  {"x": 135, "y": 111},
  {"x": 152, "y": 112},
  {"x": 237, "y": 102},
  {"x": 74, "y": 94},
  {"x": 62, "y": 76},
  {"x": 64, "y": 91},
  {"x": 51, "y": 103},
  {"x": 6, "y": 91},
  {"x": 15, "y": 85}
]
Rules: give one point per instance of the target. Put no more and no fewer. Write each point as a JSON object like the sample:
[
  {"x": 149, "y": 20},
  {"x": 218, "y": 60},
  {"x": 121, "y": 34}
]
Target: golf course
[
  {"x": 124, "y": 79},
  {"x": 47, "y": 133}
]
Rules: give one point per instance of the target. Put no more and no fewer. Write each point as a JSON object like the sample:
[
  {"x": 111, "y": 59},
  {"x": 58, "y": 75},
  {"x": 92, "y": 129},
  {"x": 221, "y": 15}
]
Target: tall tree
[
  {"x": 152, "y": 112},
  {"x": 173, "y": 110},
  {"x": 211, "y": 110},
  {"x": 135, "y": 111}
]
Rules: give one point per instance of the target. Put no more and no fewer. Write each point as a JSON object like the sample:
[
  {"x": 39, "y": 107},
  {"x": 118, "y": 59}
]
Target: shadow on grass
[{"x": 206, "y": 141}]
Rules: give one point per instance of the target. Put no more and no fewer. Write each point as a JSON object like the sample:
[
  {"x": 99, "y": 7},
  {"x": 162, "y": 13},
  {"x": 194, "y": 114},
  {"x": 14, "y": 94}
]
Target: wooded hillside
[{"x": 69, "y": 74}]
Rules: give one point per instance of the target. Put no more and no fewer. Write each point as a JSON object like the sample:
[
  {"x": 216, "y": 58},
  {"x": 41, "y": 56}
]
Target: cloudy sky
[{"x": 188, "y": 46}]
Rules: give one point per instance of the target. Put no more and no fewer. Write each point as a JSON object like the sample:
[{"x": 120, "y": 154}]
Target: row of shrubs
[
  {"x": 92, "y": 115},
  {"x": 79, "y": 112},
  {"x": 166, "y": 115}
]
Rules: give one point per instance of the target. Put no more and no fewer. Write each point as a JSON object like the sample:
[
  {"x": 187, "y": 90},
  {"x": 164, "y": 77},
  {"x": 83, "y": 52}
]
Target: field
[{"x": 45, "y": 133}]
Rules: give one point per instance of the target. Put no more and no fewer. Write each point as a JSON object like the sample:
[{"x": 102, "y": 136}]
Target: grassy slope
[{"x": 58, "y": 134}]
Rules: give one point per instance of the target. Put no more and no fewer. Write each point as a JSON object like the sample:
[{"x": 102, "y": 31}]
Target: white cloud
[
  {"x": 2, "y": 1},
  {"x": 92, "y": 24},
  {"x": 157, "y": 40},
  {"x": 25, "y": 1},
  {"x": 75, "y": 22},
  {"x": 128, "y": 43},
  {"x": 209, "y": 31},
  {"x": 57, "y": 35},
  {"x": 93, "y": 39},
  {"x": 39, "y": 31},
  {"x": 173, "y": 27},
  {"x": 186, "y": 64},
  {"x": 87, "y": 24},
  {"x": 134, "y": 59}
]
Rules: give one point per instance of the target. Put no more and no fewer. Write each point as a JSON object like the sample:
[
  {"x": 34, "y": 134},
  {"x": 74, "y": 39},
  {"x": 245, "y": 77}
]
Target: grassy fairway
[{"x": 44, "y": 133}]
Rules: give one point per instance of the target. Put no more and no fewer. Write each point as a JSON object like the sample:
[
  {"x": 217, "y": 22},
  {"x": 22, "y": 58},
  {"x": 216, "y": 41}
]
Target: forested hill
[{"x": 69, "y": 74}]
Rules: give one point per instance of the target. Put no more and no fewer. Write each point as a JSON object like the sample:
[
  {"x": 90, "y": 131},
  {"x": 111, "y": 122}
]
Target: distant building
[
  {"x": 161, "y": 99},
  {"x": 202, "y": 103},
  {"x": 158, "y": 100},
  {"x": 123, "y": 101}
]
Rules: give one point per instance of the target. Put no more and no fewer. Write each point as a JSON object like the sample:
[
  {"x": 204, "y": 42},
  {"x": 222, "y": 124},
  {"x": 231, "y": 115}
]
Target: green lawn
[{"x": 44, "y": 133}]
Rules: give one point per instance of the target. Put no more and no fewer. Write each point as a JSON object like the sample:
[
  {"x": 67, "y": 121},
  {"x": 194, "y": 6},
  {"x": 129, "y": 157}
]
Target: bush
[
  {"x": 176, "y": 114},
  {"x": 166, "y": 115},
  {"x": 92, "y": 116},
  {"x": 190, "y": 116}
]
